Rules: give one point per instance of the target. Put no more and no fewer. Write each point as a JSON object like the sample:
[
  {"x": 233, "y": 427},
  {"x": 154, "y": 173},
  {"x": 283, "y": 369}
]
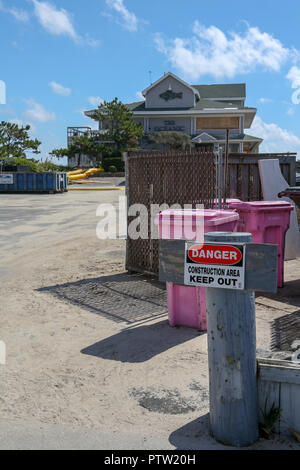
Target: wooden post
[
  {"x": 220, "y": 179},
  {"x": 226, "y": 166},
  {"x": 232, "y": 359}
]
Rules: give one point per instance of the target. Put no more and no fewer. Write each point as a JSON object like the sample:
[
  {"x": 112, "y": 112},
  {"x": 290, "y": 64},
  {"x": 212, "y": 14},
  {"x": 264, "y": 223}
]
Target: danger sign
[{"x": 215, "y": 265}]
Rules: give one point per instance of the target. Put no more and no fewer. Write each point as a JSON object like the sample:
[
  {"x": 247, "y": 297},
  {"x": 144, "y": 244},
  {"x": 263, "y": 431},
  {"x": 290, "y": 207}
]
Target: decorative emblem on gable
[{"x": 170, "y": 95}]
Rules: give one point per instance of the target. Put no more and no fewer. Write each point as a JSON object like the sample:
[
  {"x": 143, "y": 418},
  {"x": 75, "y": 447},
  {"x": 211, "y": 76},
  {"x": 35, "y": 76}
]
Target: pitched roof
[
  {"x": 164, "y": 77},
  {"x": 201, "y": 104},
  {"x": 232, "y": 90}
]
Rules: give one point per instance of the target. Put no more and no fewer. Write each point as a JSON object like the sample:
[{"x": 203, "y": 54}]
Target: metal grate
[{"x": 165, "y": 177}]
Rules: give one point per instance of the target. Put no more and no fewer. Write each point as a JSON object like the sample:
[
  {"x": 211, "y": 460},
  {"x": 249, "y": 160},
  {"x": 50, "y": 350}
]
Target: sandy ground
[{"x": 91, "y": 359}]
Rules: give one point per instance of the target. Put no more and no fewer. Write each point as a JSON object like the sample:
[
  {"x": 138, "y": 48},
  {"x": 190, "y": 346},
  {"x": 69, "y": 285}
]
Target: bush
[
  {"x": 20, "y": 161},
  {"x": 112, "y": 169},
  {"x": 172, "y": 139},
  {"x": 116, "y": 162},
  {"x": 35, "y": 166}
]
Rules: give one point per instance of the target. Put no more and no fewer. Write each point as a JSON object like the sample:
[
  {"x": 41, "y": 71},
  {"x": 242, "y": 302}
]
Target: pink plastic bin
[
  {"x": 187, "y": 305},
  {"x": 268, "y": 221}
]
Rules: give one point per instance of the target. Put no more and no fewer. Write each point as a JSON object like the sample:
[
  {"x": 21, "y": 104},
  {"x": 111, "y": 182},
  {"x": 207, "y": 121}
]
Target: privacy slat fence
[
  {"x": 186, "y": 177},
  {"x": 244, "y": 180},
  {"x": 164, "y": 177}
]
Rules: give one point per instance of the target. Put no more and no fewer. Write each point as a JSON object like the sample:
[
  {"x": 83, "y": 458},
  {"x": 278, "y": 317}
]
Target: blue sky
[{"x": 60, "y": 57}]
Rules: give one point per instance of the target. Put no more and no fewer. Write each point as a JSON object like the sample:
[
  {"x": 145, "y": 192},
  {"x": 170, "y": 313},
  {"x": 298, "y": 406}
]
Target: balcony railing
[{"x": 87, "y": 131}]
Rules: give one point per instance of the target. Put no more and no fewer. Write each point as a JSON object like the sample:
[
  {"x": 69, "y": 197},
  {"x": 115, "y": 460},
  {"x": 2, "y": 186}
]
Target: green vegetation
[
  {"x": 119, "y": 123},
  {"x": 270, "y": 418},
  {"x": 122, "y": 133},
  {"x": 113, "y": 159},
  {"x": 16, "y": 144},
  {"x": 15, "y": 141},
  {"x": 112, "y": 169},
  {"x": 81, "y": 146},
  {"x": 170, "y": 140},
  {"x": 33, "y": 165}
]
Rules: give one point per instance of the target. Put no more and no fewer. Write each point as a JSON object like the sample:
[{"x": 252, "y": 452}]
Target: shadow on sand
[
  {"x": 289, "y": 293},
  {"x": 119, "y": 297},
  {"x": 195, "y": 436},
  {"x": 141, "y": 343}
]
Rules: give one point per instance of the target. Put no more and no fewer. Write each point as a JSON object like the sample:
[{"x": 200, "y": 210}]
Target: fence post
[
  {"x": 232, "y": 359},
  {"x": 125, "y": 158}
]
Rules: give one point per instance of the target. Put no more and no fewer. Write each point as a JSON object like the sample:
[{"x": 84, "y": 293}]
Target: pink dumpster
[
  {"x": 268, "y": 222},
  {"x": 187, "y": 305}
]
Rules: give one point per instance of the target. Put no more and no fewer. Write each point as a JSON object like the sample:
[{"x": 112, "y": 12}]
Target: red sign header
[{"x": 215, "y": 254}]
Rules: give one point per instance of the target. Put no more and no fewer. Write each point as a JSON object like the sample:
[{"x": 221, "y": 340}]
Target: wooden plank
[
  {"x": 245, "y": 182},
  {"x": 256, "y": 186},
  {"x": 261, "y": 267},
  {"x": 232, "y": 360},
  {"x": 251, "y": 158},
  {"x": 280, "y": 373},
  {"x": 279, "y": 383},
  {"x": 293, "y": 172},
  {"x": 290, "y": 409},
  {"x": 171, "y": 261},
  {"x": 217, "y": 123},
  {"x": 232, "y": 181},
  {"x": 260, "y": 273}
]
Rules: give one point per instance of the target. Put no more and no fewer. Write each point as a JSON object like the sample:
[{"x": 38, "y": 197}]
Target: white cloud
[
  {"x": 92, "y": 42},
  {"x": 129, "y": 19},
  {"x": 59, "y": 89},
  {"x": 94, "y": 125},
  {"x": 290, "y": 111},
  {"x": 294, "y": 77},
  {"x": 212, "y": 52},
  {"x": 59, "y": 22},
  {"x": 296, "y": 97},
  {"x": 17, "y": 13},
  {"x": 265, "y": 100},
  {"x": 275, "y": 138},
  {"x": 95, "y": 100},
  {"x": 55, "y": 21},
  {"x": 37, "y": 112},
  {"x": 139, "y": 95}
]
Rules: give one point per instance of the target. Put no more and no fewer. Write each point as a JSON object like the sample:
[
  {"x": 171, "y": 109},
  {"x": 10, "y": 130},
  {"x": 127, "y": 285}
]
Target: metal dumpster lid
[{"x": 254, "y": 205}]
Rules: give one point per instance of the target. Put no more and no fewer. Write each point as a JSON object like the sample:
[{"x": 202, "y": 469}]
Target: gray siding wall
[
  {"x": 219, "y": 132},
  {"x": 153, "y": 100},
  {"x": 169, "y": 124}
]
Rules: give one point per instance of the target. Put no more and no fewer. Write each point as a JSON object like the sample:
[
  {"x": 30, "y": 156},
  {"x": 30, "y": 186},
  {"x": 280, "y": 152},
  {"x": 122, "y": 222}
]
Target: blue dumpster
[{"x": 55, "y": 182}]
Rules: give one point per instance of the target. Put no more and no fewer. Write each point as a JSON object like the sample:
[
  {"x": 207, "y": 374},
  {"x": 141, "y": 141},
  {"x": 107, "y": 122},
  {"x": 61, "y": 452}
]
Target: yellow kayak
[
  {"x": 75, "y": 172},
  {"x": 81, "y": 174}
]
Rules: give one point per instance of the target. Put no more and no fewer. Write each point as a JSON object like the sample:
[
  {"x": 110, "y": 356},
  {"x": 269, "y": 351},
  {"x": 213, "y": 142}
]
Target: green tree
[
  {"x": 60, "y": 153},
  {"x": 80, "y": 146},
  {"x": 15, "y": 141},
  {"x": 119, "y": 123},
  {"x": 171, "y": 140}
]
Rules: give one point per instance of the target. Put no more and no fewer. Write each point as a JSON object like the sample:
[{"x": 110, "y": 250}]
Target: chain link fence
[{"x": 157, "y": 178}]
